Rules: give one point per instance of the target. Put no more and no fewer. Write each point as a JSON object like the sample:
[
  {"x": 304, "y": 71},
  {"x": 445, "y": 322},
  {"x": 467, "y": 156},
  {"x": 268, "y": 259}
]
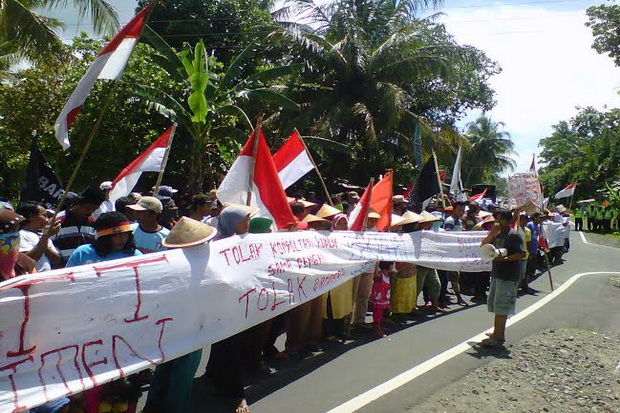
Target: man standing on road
[
  {"x": 579, "y": 218},
  {"x": 505, "y": 275}
]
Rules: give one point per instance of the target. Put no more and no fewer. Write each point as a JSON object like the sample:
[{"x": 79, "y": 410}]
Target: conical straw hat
[
  {"x": 188, "y": 233},
  {"x": 327, "y": 211},
  {"x": 410, "y": 217},
  {"x": 313, "y": 218},
  {"x": 428, "y": 217}
]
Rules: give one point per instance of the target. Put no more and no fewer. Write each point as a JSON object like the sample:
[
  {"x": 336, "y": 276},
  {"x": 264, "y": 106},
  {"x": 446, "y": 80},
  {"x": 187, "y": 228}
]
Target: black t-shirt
[{"x": 508, "y": 270}]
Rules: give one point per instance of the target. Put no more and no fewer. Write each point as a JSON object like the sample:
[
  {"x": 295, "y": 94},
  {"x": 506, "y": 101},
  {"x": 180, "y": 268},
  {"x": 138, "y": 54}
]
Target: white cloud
[{"x": 548, "y": 65}]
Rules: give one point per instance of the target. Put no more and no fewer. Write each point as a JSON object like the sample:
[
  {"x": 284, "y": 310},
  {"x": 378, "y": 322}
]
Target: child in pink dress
[{"x": 380, "y": 296}]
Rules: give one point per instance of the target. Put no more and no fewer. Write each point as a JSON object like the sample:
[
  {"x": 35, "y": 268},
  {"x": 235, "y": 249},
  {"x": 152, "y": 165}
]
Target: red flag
[
  {"x": 109, "y": 64},
  {"x": 442, "y": 175},
  {"x": 267, "y": 192},
  {"x": 533, "y": 165},
  {"x": 150, "y": 160},
  {"x": 407, "y": 193},
  {"x": 359, "y": 213},
  {"x": 479, "y": 196},
  {"x": 382, "y": 201},
  {"x": 292, "y": 160}
]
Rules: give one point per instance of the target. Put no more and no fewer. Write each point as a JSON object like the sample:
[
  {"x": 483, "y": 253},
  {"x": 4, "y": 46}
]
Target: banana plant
[{"x": 208, "y": 105}]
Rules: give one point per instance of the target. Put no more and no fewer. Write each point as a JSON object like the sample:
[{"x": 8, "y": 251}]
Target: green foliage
[
  {"x": 209, "y": 106},
  {"x": 489, "y": 152},
  {"x": 225, "y": 26},
  {"x": 585, "y": 149},
  {"x": 32, "y": 35},
  {"x": 35, "y": 99},
  {"x": 372, "y": 74},
  {"x": 604, "y": 20}
]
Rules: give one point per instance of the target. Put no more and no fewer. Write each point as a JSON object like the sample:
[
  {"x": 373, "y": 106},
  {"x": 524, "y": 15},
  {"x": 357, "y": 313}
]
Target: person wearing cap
[
  {"x": 505, "y": 274},
  {"x": 171, "y": 387},
  {"x": 12, "y": 262},
  {"x": 148, "y": 233},
  {"x": 200, "y": 207},
  {"x": 399, "y": 204},
  {"x": 354, "y": 199},
  {"x": 77, "y": 226},
  {"x": 35, "y": 236},
  {"x": 106, "y": 206},
  {"x": 167, "y": 190}
]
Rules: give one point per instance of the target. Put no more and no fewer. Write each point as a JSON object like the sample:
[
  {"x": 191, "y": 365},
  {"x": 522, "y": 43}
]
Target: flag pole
[
  {"x": 94, "y": 131},
  {"x": 329, "y": 198},
  {"x": 443, "y": 201},
  {"x": 370, "y": 187},
  {"x": 164, "y": 161},
  {"x": 259, "y": 123}
]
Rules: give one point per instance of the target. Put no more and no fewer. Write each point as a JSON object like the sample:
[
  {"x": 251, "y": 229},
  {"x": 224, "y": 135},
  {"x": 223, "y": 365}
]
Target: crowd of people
[
  {"x": 601, "y": 218},
  {"x": 90, "y": 228}
]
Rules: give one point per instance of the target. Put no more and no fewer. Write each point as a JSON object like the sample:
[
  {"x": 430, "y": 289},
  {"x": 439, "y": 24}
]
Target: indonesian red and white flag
[
  {"x": 292, "y": 160},
  {"x": 109, "y": 64},
  {"x": 151, "y": 160},
  {"x": 566, "y": 192},
  {"x": 361, "y": 210},
  {"x": 478, "y": 197},
  {"x": 266, "y": 188}
]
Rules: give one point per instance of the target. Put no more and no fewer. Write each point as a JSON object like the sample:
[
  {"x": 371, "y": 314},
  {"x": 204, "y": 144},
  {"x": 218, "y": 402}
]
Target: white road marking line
[
  {"x": 389, "y": 386},
  {"x": 583, "y": 238}
]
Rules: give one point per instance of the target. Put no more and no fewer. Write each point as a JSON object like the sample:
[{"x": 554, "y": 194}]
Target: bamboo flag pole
[
  {"x": 164, "y": 161},
  {"x": 370, "y": 188},
  {"x": 94, "y": 131},
  {"x": 259, "y": 123},
  {"x": 443, "y": 201},
  {"x": 329, "y": 198}
]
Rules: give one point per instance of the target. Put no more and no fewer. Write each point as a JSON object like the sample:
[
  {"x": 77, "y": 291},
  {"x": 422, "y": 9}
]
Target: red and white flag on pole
[
  {"x": 109, "y": 64},
  {"x": 292, "y": 160},
  {"x": 533, "y": 164},
  {"x": 267, "y": 192},
  {"x": 151, "y": 160},
  {"x": 478, "y": 197},
  {"x": 361, "y": 210},
  {"x": 566, "y": 192}
]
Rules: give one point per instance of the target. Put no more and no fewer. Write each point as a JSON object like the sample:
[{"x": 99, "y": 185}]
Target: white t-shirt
[
  {"x": 28, "y": 240},
  {"x": 106, "y": 206}
]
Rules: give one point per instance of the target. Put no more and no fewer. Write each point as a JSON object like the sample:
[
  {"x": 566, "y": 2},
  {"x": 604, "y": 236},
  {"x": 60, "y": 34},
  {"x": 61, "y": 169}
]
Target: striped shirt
[{"x": 73, "y": 232}]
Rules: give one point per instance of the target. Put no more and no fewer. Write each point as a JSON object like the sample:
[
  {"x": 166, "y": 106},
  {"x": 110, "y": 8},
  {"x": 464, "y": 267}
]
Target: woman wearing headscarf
[
  {"x": 338, "y": 302},
  {"x": 226, "y": 362}
]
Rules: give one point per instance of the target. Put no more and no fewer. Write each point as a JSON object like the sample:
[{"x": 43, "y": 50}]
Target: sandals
[{"x": 492, "y": 342}]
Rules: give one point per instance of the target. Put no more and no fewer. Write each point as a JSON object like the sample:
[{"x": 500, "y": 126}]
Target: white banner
[
  {"x": 556, "y": 232},
  {"x": 68, "y": 330},
  {"x": 523, "y": 187}
]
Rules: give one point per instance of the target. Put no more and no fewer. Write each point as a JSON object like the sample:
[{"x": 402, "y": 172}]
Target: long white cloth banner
[
  {"x": 556, "y": 232},
  {"x": 68, "y": 330}
]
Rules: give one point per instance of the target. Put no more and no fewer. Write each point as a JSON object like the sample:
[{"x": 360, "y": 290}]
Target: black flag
[
  {"x": 427, "y": 185},
  {"x": 41, "y": 184}
]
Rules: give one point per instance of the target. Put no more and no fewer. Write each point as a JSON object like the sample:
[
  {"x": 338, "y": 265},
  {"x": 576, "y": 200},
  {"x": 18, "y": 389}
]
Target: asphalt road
[
  {"x": 323, "y": 385},
  {"x": 396, "y": 373}
]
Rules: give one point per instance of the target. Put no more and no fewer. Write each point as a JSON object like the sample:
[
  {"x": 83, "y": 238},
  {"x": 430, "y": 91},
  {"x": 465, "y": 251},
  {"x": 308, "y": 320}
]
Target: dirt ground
[{"x": 550, "y": 371}]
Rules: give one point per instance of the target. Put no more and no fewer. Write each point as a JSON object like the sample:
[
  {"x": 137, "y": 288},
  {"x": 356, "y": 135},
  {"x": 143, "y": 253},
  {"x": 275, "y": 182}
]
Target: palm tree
[
  {"x": 360, "y": 59},
  {"x": 32, "y": 34},
  {"x": 208, "y": 108},
  {"x": 489, "y": 151}
]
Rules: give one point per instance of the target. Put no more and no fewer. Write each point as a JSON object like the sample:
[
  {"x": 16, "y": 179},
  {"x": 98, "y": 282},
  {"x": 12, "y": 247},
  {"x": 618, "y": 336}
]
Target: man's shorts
[{"x": 502, "y": 296}]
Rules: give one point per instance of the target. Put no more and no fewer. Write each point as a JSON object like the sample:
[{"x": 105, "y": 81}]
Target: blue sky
[{"x": 549, "y": 67}]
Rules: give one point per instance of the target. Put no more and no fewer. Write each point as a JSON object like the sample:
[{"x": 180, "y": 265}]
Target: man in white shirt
[
  {"x": 34, "y": 237},
  {"x": 106, "y": 206}
]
